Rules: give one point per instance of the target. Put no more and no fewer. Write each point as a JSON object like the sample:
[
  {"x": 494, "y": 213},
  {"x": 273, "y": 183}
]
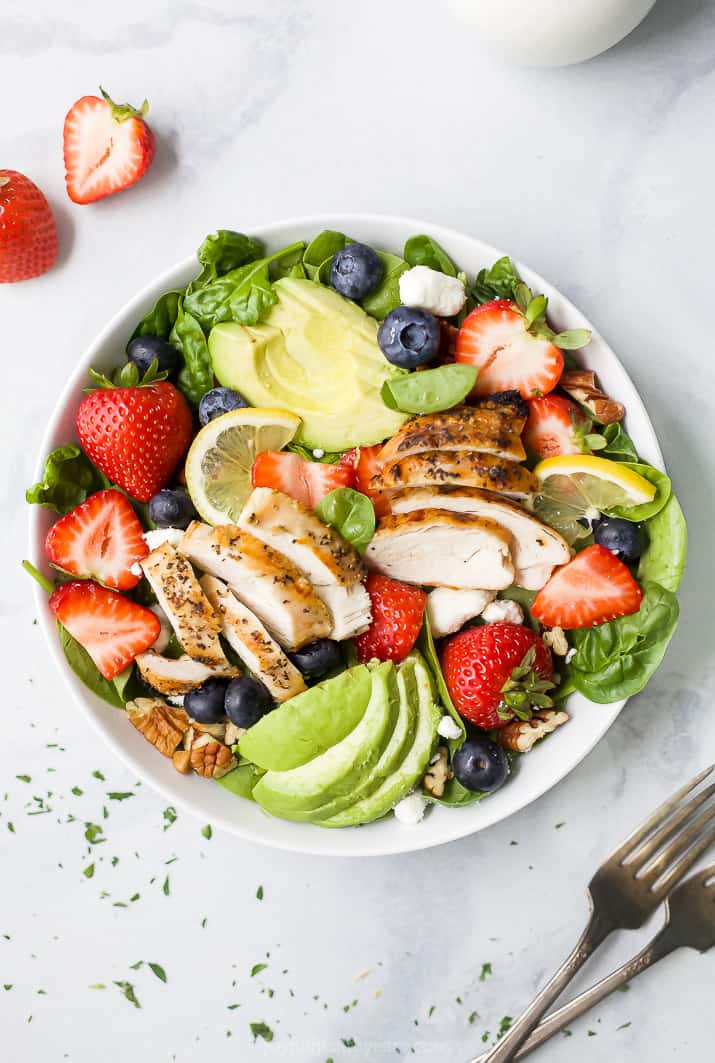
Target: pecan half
[
  {"x": 160, "y": 724},
  {"x": 182, "y": 761},
  {"x": 521, "y": 735},
  {"x": 210, "y": 758},
  {"x": 581, "y": 385},
  {"x": 438, "y": 773}
]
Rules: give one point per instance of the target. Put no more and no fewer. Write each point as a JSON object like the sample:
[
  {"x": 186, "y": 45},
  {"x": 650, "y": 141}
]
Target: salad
[{"x": 344, "y": 527}]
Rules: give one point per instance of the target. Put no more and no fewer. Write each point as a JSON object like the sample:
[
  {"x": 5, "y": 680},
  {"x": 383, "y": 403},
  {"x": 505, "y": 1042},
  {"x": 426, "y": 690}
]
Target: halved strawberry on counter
[
  {"x": 111, "y": 628},
  {"x": 306, "y": 481},
  {"x": 28, "y": 234},
  {"x": 591, "y": 589},
  {"x": 554, "y": 426},
  {"x": 101, "y": 538}
]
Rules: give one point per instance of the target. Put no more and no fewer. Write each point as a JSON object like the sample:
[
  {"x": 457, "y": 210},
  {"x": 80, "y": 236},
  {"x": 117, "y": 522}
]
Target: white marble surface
[{"x": 600, "y": 176}]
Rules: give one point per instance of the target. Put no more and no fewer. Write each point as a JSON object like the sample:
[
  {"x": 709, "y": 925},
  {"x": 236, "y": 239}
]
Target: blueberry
[
  {"x": 317, "y": 657},
  {"x": 409, "y": 336},
  {"x": 480, "y": 765},
  {"x": 142, "y": 350},
  {"x": 622, "y": 537},
  {"x": 356, "y": 271},
  {"x": 205, "y": 704},
  {"x": 172, "y": 509},
  {"x": 218, "y": 401},
  {"x": 246, "y": 701}
]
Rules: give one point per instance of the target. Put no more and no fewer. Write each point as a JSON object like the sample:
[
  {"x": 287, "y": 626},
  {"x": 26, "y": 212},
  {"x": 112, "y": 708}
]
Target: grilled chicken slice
[
  {"x": 247, "y": 635},
  {"x": 448, "y": 610},
  {"x": 536, "y": 549},
  {"x": 263, "y": 579},
  {"x": 179, "y": 676},
  {"x": 490, "y": 428},
  {"x": 442, "y": 549},
  {"x": 331, "y": 564},
  {"x": 434, "y": 468},
  {"x": 179, "y": 594}
]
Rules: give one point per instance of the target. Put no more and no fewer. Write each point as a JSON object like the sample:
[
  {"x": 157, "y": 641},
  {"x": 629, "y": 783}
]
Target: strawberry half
[
  {"x": 306, "y": 481},
  {"x": 28, "y": 235},
  {"x": 107, "y": 147},
  {"x": 495, "y": 337},
  {"x": 101, "y": 538},
  {"x": 112, "y": 629},
  {"x": 397, "y": 612},
  {"x": 554, "y": 426},
  {"x": 369, "y": 465},
  {"x": 593, "y": 588}
]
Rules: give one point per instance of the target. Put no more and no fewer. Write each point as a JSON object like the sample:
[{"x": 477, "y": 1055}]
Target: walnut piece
[
  {"x": 182, "y": 761},
  {"x": 210, "y": 758},
  {"x": 556, "y": 641},
  {"x": 438, "y": 773},
  {"x": 160, "y": 724},
  {"x": 581, "y": 385},
  {"x": 521, "y": 735}
]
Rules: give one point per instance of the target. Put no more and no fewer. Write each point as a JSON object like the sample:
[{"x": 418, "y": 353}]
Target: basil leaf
[
  {"x": 196, "y": 376},
  {"x": 68, "y": 478},
  {"x": 615, "y": 660},
  {"x": 387, "y": 294},
  {"x": 647, "y": 509},
  {"x": 424, "y": 251},
  {"x": 321, "y": 250},
  {"x": 498, "y": 282},
  {"x": 429, "y": 390},
  {"x": 85, "y": 669},
  {"x": 663, "y": 560},
  {"x": 619, "y": 444},
  {"x": 160, "y": 319},
  {"x": 350, "y": 513},
  {"x": 222, "y": 251}
]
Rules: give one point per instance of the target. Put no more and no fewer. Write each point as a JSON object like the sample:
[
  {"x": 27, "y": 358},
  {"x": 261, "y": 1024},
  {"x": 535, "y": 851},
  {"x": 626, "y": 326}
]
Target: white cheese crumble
[
  {"x": 570, "y": 655},
  {"x": 449, "y": 728},
  {"x": 432, "y": 290},
  {"x": 318, "y": 452},
  {"x": 177, "y": 700},
  {"x": 410, "y": 810},
  {"x": 503, "y": 611},
  {"x": 136, "y": 569},
  {"x": 157, "y": 536}
]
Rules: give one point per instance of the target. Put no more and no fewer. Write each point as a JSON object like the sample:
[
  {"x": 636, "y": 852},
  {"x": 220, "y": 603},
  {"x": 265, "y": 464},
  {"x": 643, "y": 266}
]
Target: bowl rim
[{"x": 403, "y": 840}]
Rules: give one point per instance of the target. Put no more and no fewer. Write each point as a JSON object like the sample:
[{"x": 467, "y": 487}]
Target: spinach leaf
[
  {"x": 241, "y": 780},
  {"x": 68, "y": 478},
  {"x": 500, "y": 281},
  {"x": 222, "y": 251},
  {"x": 424, "y": 251},
  {"x": 387, "y": 294},
  {"x": 426, "y": 646},
  {"x": 647, "y": 509},
  {"x": 85, "y": 669},
  {"x": 321, "y": 249},
  {"x": 619, "y": 444},
  {"x": 616, "y": 660},
  {"x": 350, "y": 513},
  {"x": 330, "y": 457},
  {"x": 663, "y": 560},
  {"x": 160, "y": 319},
  {"x": 196, "y": 376},
  {"x": 430, "y": 390},
  {"x": 122, "y": 681}
]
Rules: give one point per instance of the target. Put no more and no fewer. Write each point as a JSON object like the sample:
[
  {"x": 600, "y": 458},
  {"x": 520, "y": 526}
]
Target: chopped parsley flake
[
  {"x": 165, "y": 888},
  {"x": 98, "y": 775},
  {"x": 127, "y": 990},
  {"x": 207, "y": 832},
  {"x": 259, "y": 893},
  {"x": 349, "y": 1042},
  {"x": 119, "y": 795},
  {"x": 92, "y": 832},
  {"x": 24, "y": 778},
  {"x": 257, "y": 968},
  {"x": 486, "y": 970},
  {"x": 473, "y": 1018},
  {"x": 169, "y": 815},
  {"x": 259, "y": 1029},
  {"x": 77, "y": 791},
  {"x": 504, "y": 1025},
  {"x": 158, "y": 970},
  {"x": 88, "y": 871}
]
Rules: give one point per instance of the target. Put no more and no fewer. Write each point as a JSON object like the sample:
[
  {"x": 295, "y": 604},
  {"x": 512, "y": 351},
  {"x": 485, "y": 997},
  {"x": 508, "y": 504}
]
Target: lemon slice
[
  {"x": 576, "y": 488},
  {"x": 218, "y": 465}
]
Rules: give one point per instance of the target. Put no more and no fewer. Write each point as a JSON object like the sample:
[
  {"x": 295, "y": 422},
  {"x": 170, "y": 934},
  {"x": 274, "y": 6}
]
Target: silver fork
[
  {"x": 626, "y": 890},
  {"x": 690, "y": 923}
]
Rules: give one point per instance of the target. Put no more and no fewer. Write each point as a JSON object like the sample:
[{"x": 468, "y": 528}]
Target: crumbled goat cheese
[
  {"x": 318, "y": 452},
  {"x": 432, "y": 290},
  {"x": 157, "y": 536},
  {"x": 449, "y": 728},
  {"x": 570, "y": 655},
  {"x": 410, "y": 810},
  {"x": 177, "y": 700},
  {"x": 136, "y": 569},
  {"x": 505, "y": 612}
]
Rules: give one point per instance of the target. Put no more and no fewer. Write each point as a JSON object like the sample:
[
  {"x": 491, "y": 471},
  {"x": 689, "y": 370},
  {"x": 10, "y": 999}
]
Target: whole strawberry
[
  {"x": 135, "y": 435},
  {"x": 497, "y": 672},
  {"x": 397, "y": 612},
  {"x": 28, "y": 236}
]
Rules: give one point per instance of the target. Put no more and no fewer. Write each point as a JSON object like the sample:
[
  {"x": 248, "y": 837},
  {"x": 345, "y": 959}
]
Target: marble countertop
[{"x": 599, "y": 176}]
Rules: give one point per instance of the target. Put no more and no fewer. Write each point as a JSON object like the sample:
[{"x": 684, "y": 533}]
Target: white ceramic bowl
[{"x": 535, "y": 774}]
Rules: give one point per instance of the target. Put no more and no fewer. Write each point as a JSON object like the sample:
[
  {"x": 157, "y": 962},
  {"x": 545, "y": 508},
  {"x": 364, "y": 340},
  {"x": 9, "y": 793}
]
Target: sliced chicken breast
[
  {"x": 263, "y": 579},
  {"x": 536, "y": 549},
  {"x": 434, "y": 468},
  {"x": 179, "y": 594},
  {"x": 448, "y": 610},
  {"x": 437, "y": 548},
  {"x": 490, "y": 428},
  {"x": 331, "y": 564},
  {"x": 179, "y": 676},
  {"x": 249, "y": 638}
]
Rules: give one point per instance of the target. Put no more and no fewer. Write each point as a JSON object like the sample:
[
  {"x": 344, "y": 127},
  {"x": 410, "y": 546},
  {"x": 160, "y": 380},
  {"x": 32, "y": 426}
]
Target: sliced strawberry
[
  {"x": 369, "y": 465},
  {"x": 494, "y": 337},
  {"x": 101, "y": 538},
  {"x": 397, "y": 612},
  {"x": 107, "y": 147},
  {"x": 553, "y": 426},
  {"x": 307, "y": 481},
  {"x": 112, "y": 629},
  {"x": 591, "y": 589}
]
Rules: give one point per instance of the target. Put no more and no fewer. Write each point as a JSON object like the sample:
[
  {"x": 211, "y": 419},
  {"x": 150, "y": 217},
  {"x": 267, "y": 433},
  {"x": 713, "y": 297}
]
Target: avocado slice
[
  {"x": 408, "y": 774},
  {"x": 315, "y": 354},
  {"x": 307, "y": 725},
  {"x": 334, "y": 774}
]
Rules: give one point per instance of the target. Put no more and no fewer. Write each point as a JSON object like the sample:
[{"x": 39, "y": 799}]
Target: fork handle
[{"x": 595, "y": 933}]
